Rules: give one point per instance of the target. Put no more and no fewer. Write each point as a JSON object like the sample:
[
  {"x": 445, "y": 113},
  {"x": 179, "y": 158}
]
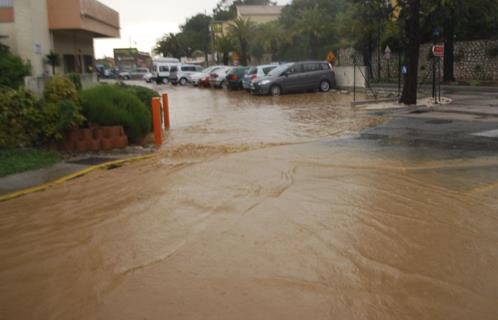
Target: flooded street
[{"x": 261, "y": 208}]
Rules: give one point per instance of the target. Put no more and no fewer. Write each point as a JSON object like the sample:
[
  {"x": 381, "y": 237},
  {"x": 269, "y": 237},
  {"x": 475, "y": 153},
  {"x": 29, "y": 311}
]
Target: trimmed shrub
[
  {"x": 112, "y": 106},
  {"x": 144, "y": 94},
  {"x": 12, "y": 69},
  {"x": 60, "y": 88},
  {"x": 20, "y": 116}
]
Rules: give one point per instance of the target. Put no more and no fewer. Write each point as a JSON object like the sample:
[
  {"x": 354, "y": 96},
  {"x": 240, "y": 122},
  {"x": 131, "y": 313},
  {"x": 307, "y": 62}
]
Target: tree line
[{"x": 308, "y": 29}]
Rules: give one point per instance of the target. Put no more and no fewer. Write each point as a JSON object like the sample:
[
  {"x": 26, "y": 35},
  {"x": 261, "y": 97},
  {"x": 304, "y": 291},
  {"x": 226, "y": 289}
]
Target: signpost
[
  {"x": 331, "y": 57},
  {"x": 438, "y": 50},
  {"x": 438, "y": 53},
  {"x": 387, "y": 56}
]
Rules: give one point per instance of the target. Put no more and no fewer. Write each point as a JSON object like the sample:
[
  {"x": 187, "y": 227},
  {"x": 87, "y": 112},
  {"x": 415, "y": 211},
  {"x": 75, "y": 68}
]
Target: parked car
[
  {"x": 137, "y": 73},
  {"x": 161, "y": 71},
  {"x": 256, "y": 73},
  {"x": 180, "y": 74},
  {"x": 293, "y": 77},
  {"x": 149, "y": 77},
  {"x": 217, "y": 77},
  {"x": 202, "y": 78},
  {"x": 235, "y": 76}
]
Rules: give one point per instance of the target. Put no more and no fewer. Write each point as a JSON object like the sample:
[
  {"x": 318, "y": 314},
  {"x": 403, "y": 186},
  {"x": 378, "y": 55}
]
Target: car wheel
[
  {"x": 324, "y": 86},
  {"x": 275, "y": 90},
  {"x": 165, "y": 80},
  {"x": 183, "y": 81}
]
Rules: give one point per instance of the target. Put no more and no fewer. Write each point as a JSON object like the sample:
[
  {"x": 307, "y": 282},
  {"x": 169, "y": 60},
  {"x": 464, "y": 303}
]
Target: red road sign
[{"x": 438, "y": 50}]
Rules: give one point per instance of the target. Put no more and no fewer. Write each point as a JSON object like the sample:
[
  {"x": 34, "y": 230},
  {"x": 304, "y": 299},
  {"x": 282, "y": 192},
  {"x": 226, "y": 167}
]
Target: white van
[{"x": 161, "y": 71}]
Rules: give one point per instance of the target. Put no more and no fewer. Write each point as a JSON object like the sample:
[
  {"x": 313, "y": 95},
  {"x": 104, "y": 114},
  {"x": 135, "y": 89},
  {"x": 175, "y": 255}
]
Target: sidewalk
[
  {"x": 469, "y": 123},
  {"x": 64, "y": 170},
  {"x": 447, "y": 89}
]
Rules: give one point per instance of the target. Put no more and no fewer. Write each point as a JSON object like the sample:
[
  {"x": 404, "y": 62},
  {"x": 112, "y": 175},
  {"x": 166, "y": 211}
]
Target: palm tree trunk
[{"x": 409, "y": 95}]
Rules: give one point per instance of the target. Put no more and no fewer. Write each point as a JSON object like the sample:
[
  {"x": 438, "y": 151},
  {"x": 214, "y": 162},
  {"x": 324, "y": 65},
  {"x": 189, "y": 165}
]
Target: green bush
[
  {"x": 75, "y": 79},
  {"x": 60, "y": 88},
  {"x": 144, "y": 94},
  {"x": 20, "y": 116},
  {"x": 26, "y": 120},
  {"x": 113, "y": 105},
  {"x": 58, "y": 117},
  {"x": 12, "y": 69}
]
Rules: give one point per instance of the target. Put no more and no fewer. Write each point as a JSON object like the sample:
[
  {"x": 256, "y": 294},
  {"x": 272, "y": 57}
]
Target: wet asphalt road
[{"x": 294, "y": 207}]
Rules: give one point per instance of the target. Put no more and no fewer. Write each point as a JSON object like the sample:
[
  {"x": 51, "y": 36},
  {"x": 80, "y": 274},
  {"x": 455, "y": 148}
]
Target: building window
[
  {"x": 88, "y": 61},
  {"x": 6, "y": 3},
  {"x": 69, "y": 63},
  {"x": 6, "y": 11}
]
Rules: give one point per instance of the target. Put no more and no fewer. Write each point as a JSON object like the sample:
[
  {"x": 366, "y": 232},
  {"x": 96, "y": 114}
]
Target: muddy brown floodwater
[{"x": 254, "y": 211}]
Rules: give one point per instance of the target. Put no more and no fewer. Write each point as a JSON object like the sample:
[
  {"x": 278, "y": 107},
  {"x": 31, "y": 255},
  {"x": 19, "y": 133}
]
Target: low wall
[
  {"x": 474, "y": 60},
  {"x": 345, "y": 77},
  {"x": 36, "y": 84}
]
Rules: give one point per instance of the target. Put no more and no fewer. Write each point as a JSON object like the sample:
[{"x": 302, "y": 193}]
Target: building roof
[{"x": 254, "y": 10}]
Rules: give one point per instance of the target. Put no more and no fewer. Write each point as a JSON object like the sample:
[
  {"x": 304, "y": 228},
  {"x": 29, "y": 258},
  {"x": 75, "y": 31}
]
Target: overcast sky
[{"x": 145, "y": 21}]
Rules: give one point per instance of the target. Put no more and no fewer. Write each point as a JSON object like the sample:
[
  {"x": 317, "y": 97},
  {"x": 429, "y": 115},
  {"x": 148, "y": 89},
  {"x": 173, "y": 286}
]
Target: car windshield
[{"x": 278, "y": 70}]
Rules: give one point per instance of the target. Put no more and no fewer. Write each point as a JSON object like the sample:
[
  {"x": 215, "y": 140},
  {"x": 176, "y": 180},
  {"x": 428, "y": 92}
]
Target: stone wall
[{"x": 474, "y": 60}]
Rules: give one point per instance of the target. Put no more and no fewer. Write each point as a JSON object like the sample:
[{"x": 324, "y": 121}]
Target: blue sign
[{"x": 404, "y": 70}]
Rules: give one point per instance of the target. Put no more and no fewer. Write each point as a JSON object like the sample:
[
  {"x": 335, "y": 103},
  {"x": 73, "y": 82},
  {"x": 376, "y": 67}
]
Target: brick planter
[{"x": 95, "y": 139}]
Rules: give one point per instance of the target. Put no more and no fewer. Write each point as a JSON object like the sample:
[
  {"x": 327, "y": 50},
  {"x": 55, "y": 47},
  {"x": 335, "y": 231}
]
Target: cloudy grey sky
[{"x": 145, "y": 21}]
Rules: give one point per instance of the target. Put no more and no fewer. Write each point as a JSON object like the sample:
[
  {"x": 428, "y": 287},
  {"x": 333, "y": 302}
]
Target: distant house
[
  {"x": 127, "y": 59},
  {"x": 34, "y": 28},
  {"x": 259, "y": 14}
]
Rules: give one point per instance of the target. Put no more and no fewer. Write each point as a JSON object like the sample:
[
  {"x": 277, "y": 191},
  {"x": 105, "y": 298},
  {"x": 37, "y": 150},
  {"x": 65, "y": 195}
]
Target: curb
[{"x": 42, "y": 187}]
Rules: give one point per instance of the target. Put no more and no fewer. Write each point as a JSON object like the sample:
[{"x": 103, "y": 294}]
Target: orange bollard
[
  {"x": 156, "y": 120},
  {"x": 166, "y": 111}
]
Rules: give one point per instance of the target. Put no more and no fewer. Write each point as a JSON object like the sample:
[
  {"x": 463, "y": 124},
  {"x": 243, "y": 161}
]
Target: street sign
[
  {"x": 438, "y": 50},
  {"x": 387, "y": 53},
  {"x": 331, "y": 57},
  {"x": 404, "y": 70}
]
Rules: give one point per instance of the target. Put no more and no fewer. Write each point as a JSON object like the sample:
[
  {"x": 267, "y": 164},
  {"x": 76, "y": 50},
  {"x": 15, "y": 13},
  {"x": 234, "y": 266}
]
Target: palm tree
[
  {"x": 224, "y": 44},
  {"x": 241, "y": 31},
  {"x": 53, "y": 60}
]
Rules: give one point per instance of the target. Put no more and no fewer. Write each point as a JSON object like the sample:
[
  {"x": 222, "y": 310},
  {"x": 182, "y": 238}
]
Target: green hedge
[
  {"x": 144, "y": 94},
  {"x": 106, "y": 105}
]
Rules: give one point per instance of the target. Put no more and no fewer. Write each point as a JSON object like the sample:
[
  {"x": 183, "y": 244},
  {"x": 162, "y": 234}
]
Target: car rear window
[
  {"x": 174, "y": 69},
  {"x": 268, "y": 69},
  {"x": 188, "y": 68},
  {"x": 163, "y": 68},
  {"x": 252, "y": 71}
]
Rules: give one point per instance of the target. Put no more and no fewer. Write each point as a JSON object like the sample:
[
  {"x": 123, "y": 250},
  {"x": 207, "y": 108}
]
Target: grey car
[
  {"x": 294, "y": 77},
  {"x": 256, "y": 73}
]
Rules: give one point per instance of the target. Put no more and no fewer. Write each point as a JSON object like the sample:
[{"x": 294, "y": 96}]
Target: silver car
[{"x": 256, "y": 73}]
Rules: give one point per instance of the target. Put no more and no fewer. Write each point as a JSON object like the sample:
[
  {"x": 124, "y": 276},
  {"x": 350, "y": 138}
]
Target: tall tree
[
  {"x": 241, "y": 30},
  {"x": 411, "y": 15},
  {"x": 171, "y": 45},
  {"x": 196, "y": 34}
]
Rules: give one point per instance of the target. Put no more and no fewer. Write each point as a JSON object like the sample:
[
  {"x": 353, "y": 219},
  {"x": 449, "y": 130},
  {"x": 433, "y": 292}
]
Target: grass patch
[{"x": 20, "y": 160}]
